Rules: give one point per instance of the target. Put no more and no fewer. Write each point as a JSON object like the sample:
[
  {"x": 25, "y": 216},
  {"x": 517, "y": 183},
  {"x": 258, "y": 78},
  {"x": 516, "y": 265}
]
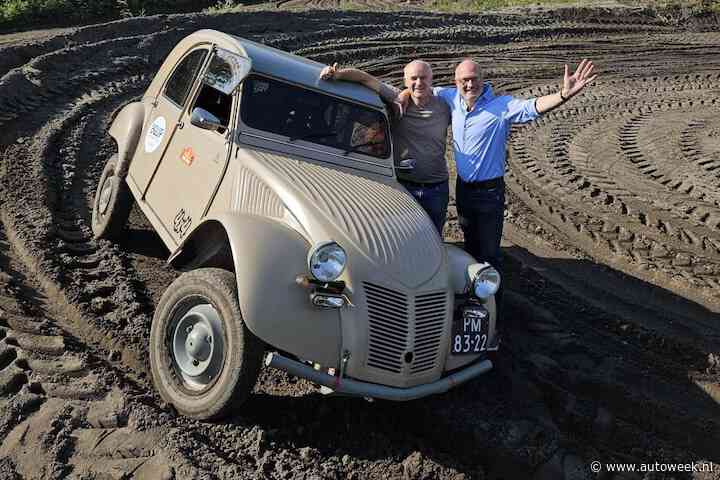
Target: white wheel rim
[{"x": 198, "y": 348}]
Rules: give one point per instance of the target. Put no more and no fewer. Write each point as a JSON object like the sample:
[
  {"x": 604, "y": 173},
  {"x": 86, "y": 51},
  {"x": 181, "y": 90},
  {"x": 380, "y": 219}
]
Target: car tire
[
  {"x": 203, "y": 378},
  {"x": 112, "y": 205}
]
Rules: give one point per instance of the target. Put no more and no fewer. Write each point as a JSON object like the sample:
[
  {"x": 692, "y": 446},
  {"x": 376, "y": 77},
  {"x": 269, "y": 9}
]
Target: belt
[
  {"x": 483, "y": 184},
  {"x": 420, "y": 184}
]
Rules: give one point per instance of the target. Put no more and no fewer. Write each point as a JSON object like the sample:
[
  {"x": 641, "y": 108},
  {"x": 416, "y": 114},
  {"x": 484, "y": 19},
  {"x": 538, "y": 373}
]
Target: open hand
[
  {"x": 328, "y": 73},
  {"x": 403, "y": 100},
  {"x": 572, "y": 84}
]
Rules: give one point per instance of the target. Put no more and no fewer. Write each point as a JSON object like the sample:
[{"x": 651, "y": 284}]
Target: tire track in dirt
[
  {"x": 63, "y": 414},
  {"x": 574, "y": 383},
  {"x": 636, "y": 195}
]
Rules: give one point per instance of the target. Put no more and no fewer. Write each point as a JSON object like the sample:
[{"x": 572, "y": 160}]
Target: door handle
[{"x": 180, "y": 125}]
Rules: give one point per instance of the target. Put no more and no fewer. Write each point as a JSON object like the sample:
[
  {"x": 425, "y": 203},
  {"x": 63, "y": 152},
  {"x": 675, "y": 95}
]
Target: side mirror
[
  {"x": 205, "y": 120},
  {"x": 405, "y": 166}
]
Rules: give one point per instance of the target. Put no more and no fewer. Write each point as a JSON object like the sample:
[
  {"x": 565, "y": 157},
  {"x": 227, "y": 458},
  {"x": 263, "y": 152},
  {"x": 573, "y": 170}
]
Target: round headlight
[
  {"x": 327, "y": 261},
  {"x": 486, "y": 283}
]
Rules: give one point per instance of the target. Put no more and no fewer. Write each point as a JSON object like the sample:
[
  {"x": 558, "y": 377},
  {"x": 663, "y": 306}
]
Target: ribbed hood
[{"x": 378, "y": 219}]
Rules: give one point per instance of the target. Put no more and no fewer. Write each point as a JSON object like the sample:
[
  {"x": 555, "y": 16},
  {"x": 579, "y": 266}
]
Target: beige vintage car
[{"x": 276, "y": 194}]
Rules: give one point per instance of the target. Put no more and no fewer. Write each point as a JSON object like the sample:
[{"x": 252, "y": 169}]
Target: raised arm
[
  {"x": 572, "y": 85},
  {"x": 350, "y": 75}
]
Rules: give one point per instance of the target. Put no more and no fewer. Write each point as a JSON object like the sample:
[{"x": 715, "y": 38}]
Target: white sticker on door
[{"x": 155, "y": 135}]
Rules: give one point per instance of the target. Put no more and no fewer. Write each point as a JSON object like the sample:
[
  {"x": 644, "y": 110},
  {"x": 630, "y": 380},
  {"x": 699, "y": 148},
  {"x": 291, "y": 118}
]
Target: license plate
[{"x": 470, "y": 331}]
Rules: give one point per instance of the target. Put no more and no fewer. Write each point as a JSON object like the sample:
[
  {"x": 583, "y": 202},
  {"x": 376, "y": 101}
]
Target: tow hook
[
  {"x": 343, "y": 367},
  {"x": 345, "y": 360}
]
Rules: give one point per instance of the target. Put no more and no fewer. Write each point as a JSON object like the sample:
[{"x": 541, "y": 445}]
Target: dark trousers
[
  {"x": 433, "y": 198},
  {"x": 481, "y": 212}
]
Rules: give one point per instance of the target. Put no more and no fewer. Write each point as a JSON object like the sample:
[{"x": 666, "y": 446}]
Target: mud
[{"x": 612, "y": 246}]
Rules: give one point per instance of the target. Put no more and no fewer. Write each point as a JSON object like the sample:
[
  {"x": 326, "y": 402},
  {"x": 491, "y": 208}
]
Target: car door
[
  {"x": 196, "y": 157},
  {"x": 164, "y": 116}
]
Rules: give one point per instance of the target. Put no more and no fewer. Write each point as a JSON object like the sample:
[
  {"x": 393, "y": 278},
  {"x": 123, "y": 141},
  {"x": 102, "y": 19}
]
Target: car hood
[{"x": 375, "y": 217}]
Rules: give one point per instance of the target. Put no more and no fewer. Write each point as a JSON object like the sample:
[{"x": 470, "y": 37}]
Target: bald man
[
  {"x": 481, "y": 125},
  {"x": 419, "y": 132}
]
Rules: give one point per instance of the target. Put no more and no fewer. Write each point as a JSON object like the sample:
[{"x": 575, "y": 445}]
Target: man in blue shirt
[{"x": 481, "y": 125}]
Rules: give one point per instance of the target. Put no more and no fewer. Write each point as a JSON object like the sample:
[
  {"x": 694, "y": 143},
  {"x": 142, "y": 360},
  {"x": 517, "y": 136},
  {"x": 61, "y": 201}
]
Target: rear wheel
[
  {"x": 112, "y": 204},
  {"x": 204, "y": 359}
]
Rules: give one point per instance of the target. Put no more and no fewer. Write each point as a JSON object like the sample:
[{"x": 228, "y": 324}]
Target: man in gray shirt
[{"x": 419, "y": 132}]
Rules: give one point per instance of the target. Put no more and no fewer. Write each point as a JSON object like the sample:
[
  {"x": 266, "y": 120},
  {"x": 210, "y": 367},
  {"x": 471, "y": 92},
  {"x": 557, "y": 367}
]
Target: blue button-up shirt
[{"x": 480, "y": 135}]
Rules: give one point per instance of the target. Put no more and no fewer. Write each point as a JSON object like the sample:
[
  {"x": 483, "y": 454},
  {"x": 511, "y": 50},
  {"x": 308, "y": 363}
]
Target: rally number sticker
[{"x": 155, "y": 135}]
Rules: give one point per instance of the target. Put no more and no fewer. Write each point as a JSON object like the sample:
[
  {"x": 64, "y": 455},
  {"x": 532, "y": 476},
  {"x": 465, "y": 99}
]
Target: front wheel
[
  {"x": 112, "y": 204},
  {"x": 204, "y": 360}
]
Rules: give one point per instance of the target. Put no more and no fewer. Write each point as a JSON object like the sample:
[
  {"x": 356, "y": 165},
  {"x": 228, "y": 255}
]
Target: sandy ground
[{"x": 612, "y": 247}]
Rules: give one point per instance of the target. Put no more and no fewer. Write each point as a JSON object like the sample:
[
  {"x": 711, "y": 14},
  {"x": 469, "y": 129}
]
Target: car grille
[
  {"x": 388, "y": 319},
  {"x": 430, "y": 311},
  {"x": 390, "y": 326}
]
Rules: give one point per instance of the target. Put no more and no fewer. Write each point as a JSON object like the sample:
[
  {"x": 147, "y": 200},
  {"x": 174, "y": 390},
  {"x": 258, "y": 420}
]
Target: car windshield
[{"x": 302, "y": 114}]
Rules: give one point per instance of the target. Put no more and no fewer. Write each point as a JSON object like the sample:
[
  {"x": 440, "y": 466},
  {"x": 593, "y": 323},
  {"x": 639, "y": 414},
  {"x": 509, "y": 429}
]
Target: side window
[
  {"x": 215, "y": 102},
  {"x": 223, "y": 75},
  {"x": 178, "y": 87}
]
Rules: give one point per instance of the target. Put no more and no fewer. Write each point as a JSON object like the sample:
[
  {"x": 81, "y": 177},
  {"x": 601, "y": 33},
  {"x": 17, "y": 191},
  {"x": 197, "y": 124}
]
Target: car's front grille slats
[
  {"x": 425, "y": 310},
  {"x": 388, "y": 310},
  {"x": 388, "y": 323},
  {"x": 430, "y": 315},
  {"x": 384, "y": 350},
  {"x": 387, "y": 333},
  {"x": 393, "y": 323},
  {"x": 425, "y": 365},
  {"x": 381, "y": 341},
  {"x": 425, "y": 327},
  {"x": 382, "y": 321},
  {"x": 383, "y": 292},
  {"x": 426, "y": 344}
]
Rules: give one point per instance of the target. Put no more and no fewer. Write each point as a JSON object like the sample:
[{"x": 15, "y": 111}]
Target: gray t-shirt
[{"x": 421, "y": 133}]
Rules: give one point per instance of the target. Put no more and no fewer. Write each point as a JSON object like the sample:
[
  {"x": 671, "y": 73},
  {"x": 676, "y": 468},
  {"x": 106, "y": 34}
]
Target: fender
[
  {"x": 459, "y": 261},
  {"x": 207, "y": 245},
  {"x": 126, "y": 130},
  {"x": 267, "y": 256}
]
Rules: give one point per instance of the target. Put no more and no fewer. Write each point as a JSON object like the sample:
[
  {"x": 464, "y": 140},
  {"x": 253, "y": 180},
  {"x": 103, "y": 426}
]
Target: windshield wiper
[{"x": 309, "y": 135}]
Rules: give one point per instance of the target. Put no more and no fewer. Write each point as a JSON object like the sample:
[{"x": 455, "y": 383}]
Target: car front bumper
[{"x": 348, "y": 386}]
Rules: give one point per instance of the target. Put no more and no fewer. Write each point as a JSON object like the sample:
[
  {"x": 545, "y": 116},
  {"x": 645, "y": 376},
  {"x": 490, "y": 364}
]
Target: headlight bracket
[{"x": 337, "y": 286}]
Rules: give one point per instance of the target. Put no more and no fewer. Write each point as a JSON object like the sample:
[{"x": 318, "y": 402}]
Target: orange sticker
[{"x": 188, "y": 156}]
